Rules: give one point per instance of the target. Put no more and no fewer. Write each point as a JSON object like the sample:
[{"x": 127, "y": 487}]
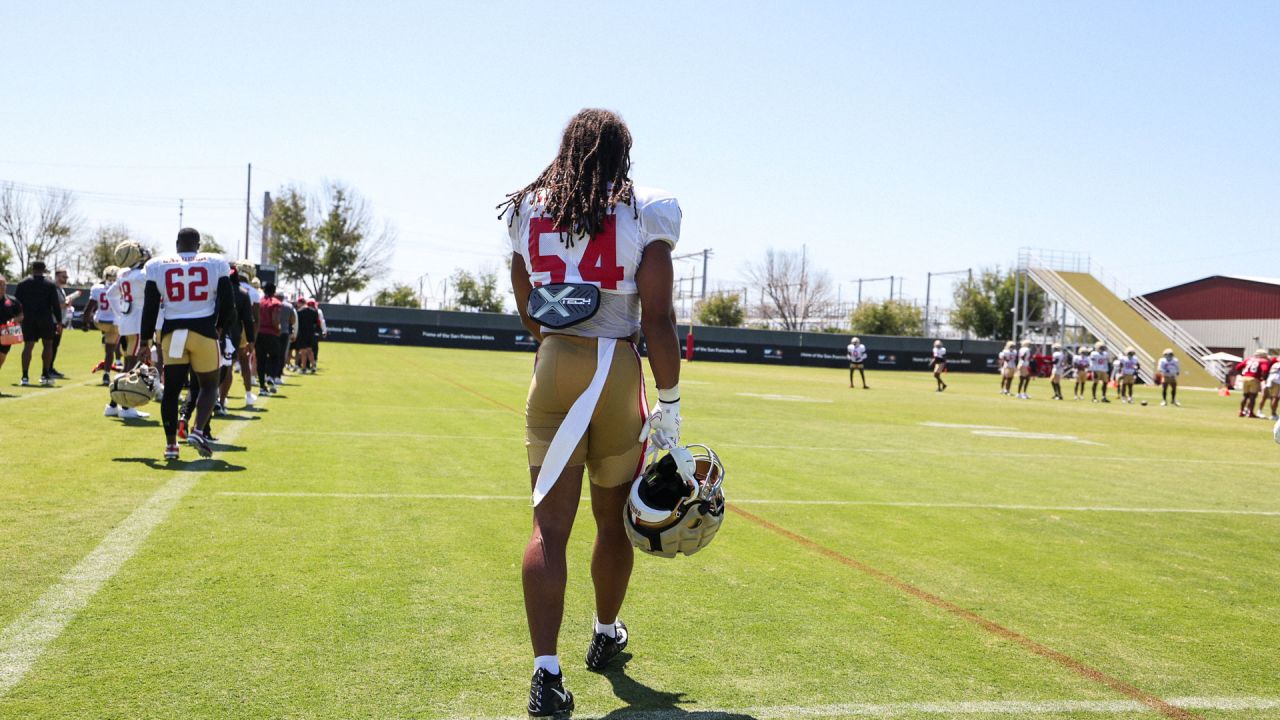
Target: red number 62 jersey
[
  {"x": 188, "y": 283},
  {"x": 610, "y": 258}
]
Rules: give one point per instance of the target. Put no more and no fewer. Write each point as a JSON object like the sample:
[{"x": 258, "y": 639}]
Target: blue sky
[{"x": 888, "y": 138}]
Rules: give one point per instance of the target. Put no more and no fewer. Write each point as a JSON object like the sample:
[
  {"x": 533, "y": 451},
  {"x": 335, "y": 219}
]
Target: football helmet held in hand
[
  {"x": 677, "y": 505},
  {"x": 137, "y": 387}
]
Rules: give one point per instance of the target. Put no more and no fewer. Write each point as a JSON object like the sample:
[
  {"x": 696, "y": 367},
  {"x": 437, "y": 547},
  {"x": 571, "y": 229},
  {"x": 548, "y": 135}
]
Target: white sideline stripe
[
  {"x": 375, "y": 496},
  {"x": 967, "y": 427},
  {"x": 760, "y": 501},
  {"x": 30, "y": 634},
  {"x": 976, "y": 707},
  {"x": 814, "y": 448},
  {"x": 46, "y": 392}
]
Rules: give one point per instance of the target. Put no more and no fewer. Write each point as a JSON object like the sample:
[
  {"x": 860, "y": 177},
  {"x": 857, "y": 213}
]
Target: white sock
[
  {"x": 550, "y": 663},
  {"x": 610, "y": 629}
]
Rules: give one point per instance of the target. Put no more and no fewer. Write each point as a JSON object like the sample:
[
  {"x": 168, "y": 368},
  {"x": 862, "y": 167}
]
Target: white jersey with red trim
[
  {"x": 608, "y": 260},
  {"x": 188, "y": 283},
  {"x": 98, "y": 294},
  {"x": 125, "y": 296},
  {"x": 1006, "y": 358}
]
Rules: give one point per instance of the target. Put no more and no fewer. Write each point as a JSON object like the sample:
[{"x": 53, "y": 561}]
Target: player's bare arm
[{"x": 657, "y": 316}]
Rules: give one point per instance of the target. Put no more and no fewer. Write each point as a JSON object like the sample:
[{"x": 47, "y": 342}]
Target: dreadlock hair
[{"x": 588, "y": 178}]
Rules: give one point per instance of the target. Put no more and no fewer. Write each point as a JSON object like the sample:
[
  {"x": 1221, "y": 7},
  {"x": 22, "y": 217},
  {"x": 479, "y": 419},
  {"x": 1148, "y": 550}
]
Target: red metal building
[{"x": 1226, "y": 312}]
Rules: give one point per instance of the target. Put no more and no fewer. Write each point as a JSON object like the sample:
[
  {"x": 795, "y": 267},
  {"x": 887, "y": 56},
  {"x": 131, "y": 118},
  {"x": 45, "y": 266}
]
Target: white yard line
[
  {"x": 782, "y": 398},
  {"x": 966, "y": 427},
  {"x": 1023, "y": 708},
  {"x": 30, "y": 634},
  {"x": 818, "y": 448},
  {"x": 761, "y": 501},
  {"x": 46, "y": 392}
]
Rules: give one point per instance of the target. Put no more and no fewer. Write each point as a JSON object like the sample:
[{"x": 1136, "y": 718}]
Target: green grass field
[{"x": 354, "y": 553}]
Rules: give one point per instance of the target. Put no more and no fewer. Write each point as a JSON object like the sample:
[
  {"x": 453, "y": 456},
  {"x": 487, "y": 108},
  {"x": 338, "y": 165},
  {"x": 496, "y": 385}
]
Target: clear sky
[{"x": 890, "y": 138}]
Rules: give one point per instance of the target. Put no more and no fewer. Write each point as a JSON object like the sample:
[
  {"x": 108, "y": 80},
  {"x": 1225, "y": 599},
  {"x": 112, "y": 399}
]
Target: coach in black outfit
[{"x": 41, "y": 320}]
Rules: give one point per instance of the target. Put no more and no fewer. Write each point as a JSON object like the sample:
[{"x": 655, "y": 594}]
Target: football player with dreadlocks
[{"x": 591, "y": 268}]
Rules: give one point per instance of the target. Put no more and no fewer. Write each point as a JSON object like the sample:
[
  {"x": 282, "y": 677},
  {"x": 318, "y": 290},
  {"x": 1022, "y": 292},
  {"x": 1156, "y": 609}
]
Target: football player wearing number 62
[
  {"x": 591, "y": 268},
  {"x": 198, "y": 301}
]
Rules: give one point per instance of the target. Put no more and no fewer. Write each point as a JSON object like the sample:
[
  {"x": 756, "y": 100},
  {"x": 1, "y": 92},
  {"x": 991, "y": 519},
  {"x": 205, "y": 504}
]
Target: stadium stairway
[{"x": 1120, "y": 324}]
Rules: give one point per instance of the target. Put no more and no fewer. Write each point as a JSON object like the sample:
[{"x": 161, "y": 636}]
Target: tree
[
  {"x": 210, "y": 245},
  {"x": 984, "y": 305},
  {"x": 398, "y": 295},
  {"x": 477, "y": 292},
  {"x": 37, "y": 228},
  {"x": 891, "y": 317},
  {"x": 101, "y": 249},
  {"x": 722, "y": 310},
  {"x": 792, "y": 289},
  {"x": 328, "y": 244}
]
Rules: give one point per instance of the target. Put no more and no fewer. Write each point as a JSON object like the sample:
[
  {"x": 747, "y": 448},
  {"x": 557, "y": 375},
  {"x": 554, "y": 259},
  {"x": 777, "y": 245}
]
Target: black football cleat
[
  {"x": 548, "y": 698},
  {"x": 604, "y": 648}
]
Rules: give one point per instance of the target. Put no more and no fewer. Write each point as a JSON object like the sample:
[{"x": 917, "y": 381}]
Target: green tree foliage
[
  {"x": 328, "y": 244},
  {"x": 477, "y": 292},
  {"x": 398, "y": 295},
  {"x": 722, "y": 310},
  {"x": 210, "y": 245},
  {"x": 891, "y": 317},
  {"x": 101, "y": 250},
  {"x": 984, "y": 305}
]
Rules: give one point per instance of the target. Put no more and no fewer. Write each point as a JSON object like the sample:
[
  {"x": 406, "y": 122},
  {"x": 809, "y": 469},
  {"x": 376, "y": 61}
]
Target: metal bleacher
[{"x": 1074, "y": 281}]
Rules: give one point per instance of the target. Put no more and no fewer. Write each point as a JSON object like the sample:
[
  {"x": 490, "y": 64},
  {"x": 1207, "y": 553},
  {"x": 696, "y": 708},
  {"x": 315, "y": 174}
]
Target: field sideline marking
[
  {"x": 809, "y": 448},
  {"x": 30, "y": 634},
  {"x": 1062, "y": 659},
  {"x": 46, "y": 392},
  {"x": 972, "y": 707},
  {"x": 761, "y": 501}
]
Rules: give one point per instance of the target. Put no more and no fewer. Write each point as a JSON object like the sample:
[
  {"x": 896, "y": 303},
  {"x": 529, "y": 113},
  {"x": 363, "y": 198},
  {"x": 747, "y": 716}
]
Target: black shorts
[{"x": 33, "y": 331}]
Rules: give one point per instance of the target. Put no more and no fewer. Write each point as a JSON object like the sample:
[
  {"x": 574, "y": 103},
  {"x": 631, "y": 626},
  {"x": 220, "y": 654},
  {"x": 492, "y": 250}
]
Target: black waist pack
[{"x": 561, "y": 305}]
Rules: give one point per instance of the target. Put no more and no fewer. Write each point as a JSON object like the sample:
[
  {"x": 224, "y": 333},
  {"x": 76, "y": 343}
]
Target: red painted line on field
[
  {"x": 990, "y": 626},
  {"x": 477, "y": 393}
]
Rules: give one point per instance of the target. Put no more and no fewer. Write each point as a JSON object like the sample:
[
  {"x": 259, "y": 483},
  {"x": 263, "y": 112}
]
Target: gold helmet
[
  {"x": 1057, "y": 346},
  {"x": 677, "y": 505},
  {"x": 256, "y": 283},
  {"x": 137, "y": 387},
  {"x": 246, "y": 269},
  {"x": 1008, "y": 345},
  {"x": 937, "y": 343},
  {"x": 1129, "y": 350},
  {"x": 109, "y": 273},
  {"x": 1167, "y": 351},
  {"x": 1099, "y": 345},
  {"x": 130, "y": 253},
  {"x": 855, "y": 340}
]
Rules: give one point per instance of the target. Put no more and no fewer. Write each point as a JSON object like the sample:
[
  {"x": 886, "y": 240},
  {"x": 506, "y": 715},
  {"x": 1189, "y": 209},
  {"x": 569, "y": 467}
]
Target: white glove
[{"x": 664, "y": 424}]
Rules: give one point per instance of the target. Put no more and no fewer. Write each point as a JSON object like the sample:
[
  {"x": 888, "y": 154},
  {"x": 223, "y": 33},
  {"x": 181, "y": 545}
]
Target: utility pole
[
  {"x": 248, "y": 191},
  {"x": 706, "y": 252}
]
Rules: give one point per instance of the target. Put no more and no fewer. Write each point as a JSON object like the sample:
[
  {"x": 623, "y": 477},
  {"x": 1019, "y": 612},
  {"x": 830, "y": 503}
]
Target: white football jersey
[
  {"x": 1059, "y": 359},
  {"x": 1129, "y": 365},
  {"x": 857, "y": 353},
  {"x": 1100, "y": 361},
  {"x": 609, "y": 260},
  {"x": 1024, "y": 355},
  {"x": 98, "y": 294},
  {"x": 1006, "y": 357},
  {"x": 1169, "y": 367},
  {"x": 940, "y": 353},
  {"x": 1081, "y": 361},
  {"x": 126, "y": 297},
  {"x": 188, "y": 283}
]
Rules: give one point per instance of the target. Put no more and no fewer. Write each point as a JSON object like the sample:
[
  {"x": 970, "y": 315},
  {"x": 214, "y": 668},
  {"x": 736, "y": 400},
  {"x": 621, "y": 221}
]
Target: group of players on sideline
[
  {"x": 189, "y": 317},
  {"x": 1093, "y": 367}
]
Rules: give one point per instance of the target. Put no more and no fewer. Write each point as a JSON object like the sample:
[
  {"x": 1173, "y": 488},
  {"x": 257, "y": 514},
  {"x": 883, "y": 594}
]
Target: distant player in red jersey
[{"x": 1253, "y": 370}]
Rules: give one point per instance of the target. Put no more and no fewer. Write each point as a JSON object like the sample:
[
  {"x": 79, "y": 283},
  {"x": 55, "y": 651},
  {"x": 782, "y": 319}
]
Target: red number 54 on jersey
[{"x": 599, "y": 262}]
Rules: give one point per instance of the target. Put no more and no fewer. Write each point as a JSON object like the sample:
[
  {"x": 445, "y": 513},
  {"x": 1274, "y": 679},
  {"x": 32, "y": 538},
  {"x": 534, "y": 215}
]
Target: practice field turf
[{"x": 353, "y": 552}]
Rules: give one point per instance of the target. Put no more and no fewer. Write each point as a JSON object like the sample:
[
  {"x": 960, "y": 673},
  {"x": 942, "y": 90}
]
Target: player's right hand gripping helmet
[
  {"x": 137, "y": 387},
  {"x": 677, "y": 505}
]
